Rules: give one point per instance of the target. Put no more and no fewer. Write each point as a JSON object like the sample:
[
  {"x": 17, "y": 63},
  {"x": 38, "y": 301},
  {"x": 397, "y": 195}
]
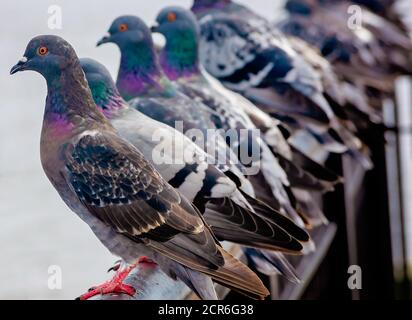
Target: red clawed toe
[
  {"x": 116, "y": 285},
  {"x": 113, "y": 286}
]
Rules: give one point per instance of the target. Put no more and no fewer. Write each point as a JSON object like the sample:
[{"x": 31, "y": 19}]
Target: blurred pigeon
[
  {"x": 371, "y": 54},
  {"x": 346, "y": 99},
  {"x": 368, "y": 57},
  {"x": 390, "y": 10},
  {"x": 108, "y": 183},
  {"x": 247, "y": 54}
]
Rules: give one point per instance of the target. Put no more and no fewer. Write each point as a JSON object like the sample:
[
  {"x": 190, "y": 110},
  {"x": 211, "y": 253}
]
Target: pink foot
[
  {"x": 116, "y": 285},
  {"x": 113, "y": 286}
]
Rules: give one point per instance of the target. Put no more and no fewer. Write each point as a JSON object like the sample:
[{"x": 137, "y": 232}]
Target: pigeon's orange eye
[
  {"x": 42, "y": 51},
  {"x": 123, "y": 27},
  {"x": 171, "y": 16}
]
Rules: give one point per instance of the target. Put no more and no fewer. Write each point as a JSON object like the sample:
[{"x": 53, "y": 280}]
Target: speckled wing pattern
[
  {"x": 252, "y": 58},
  {"x": 242, "y": 53},
  {"x": 118, "y": 186},
  {"x": 222, "y": 113},
  {"x": 193, "y": 115}
]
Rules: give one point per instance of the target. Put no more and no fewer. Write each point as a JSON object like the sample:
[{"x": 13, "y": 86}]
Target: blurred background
[{"x": 37, "y": 230}]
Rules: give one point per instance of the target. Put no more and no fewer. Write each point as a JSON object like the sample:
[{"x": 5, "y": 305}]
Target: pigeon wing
[{"x": 121, "y": 188}]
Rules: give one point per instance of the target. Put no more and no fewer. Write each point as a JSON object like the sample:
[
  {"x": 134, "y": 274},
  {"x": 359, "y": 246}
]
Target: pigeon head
[
  {"x": 127, "y": 31},
  {"x": 173, "y": 20},
  {"x": 179, "y": 57},
  {"x": 104, "y": 91},
  {"x": 222, "y": 45},
  {"x": 139, "y": 70},
  {"x": 68, "y": 97},
  {"x": 47, "y": 54}
]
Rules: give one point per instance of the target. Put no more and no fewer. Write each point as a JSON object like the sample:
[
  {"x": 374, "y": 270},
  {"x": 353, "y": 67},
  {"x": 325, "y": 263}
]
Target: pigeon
[
  {"x": 179, "y": 60},
  {"x": 371, "y": 54},
  {"x": 248, "y": 55},
  {"x": 161, "y": 100},
  {"x": 275, "y": 136},
  {"x": 141, "y": 83},
  {"x": 277, "y": 177},
  {"x": 368, "y": 57},
  {"x": 185, "y": 165},
  {"x": 387, "y": 9},
  {"x": 234, "y": 59},
  {"x": 226, "y": 210},
  {"x": 109, "y": 184},
  {"x": 346, "y": 99}
]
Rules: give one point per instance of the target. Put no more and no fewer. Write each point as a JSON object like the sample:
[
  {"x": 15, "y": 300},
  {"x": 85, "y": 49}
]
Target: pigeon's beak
[
  {"x": 106, "y": 38},
  {"x": 154, "y": 27},
  {"x": 19, "y": 66}
]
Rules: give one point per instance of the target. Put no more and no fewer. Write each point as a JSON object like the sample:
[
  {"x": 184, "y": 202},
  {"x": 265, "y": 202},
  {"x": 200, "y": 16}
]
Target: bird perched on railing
[
  {"x": 180, "y": 62},
  {"x": 141, "y": 80},
  {"x": 109, "y": 184},
  {"x": 248, "y": 55},
  {"x": 190, "y": 170}
]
